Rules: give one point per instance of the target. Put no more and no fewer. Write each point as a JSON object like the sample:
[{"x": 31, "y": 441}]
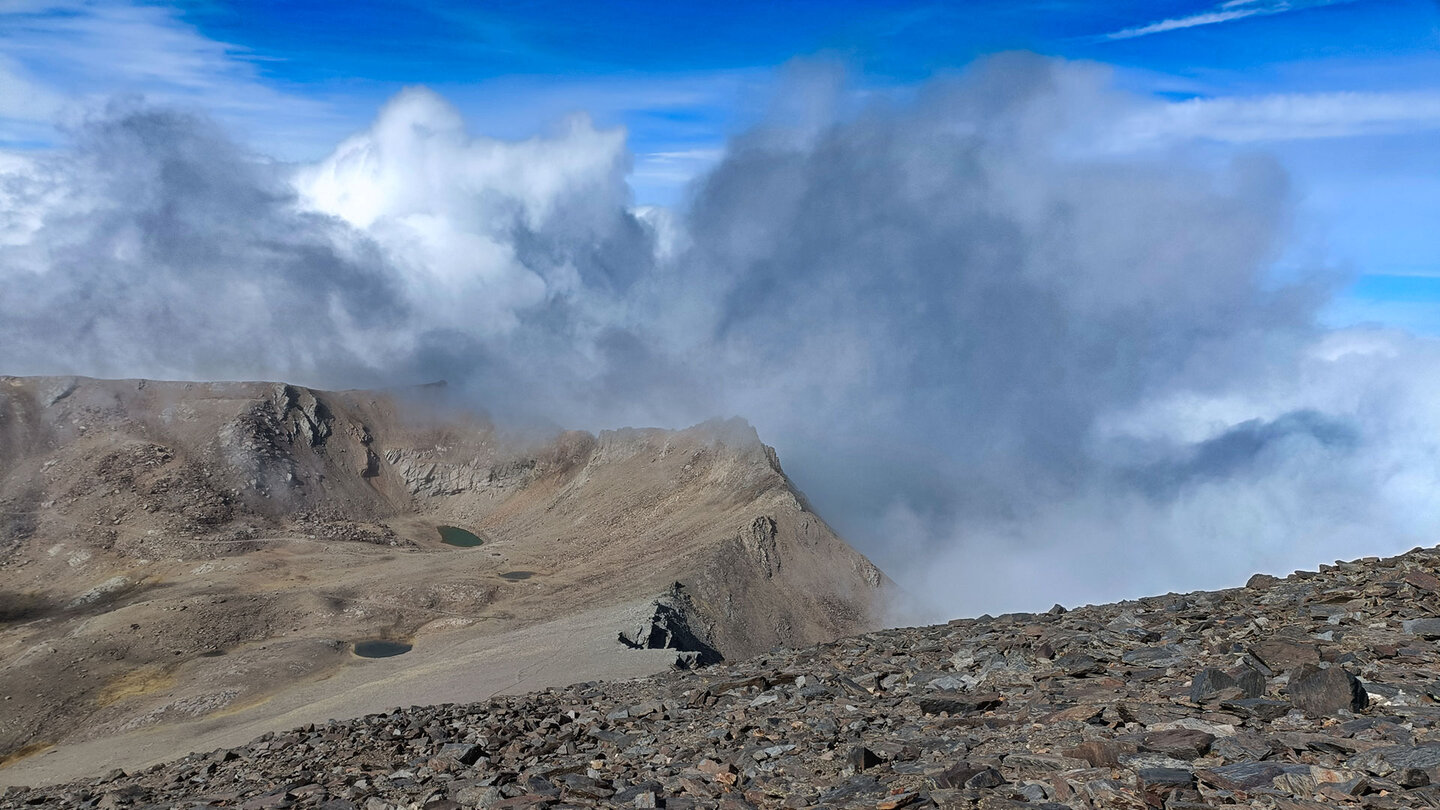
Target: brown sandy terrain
[{"x": 185, "y": 565}]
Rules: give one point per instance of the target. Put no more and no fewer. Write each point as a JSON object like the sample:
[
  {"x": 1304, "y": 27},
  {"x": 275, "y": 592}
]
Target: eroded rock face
[
  {"x": 669, "y": 626},
  {"x": 758, "y": 538},
  {"x": 427, "y": 473},
  {"x": 1086, "y": 709}
]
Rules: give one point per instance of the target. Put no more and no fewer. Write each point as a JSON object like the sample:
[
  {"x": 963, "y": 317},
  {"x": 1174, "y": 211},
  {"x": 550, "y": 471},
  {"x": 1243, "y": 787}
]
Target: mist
[{"x": 1008, "y": 359}]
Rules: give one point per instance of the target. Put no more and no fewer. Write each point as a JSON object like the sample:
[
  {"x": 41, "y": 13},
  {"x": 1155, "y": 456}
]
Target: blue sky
[{"x": 1345, "y": 93}]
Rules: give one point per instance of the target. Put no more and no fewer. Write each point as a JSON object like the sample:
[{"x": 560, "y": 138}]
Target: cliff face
[{"x": 167, "y": 549}]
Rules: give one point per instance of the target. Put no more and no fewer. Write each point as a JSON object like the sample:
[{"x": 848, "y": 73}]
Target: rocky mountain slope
[
  {"x": 1319, "y": 690},
  {"x": 186, "y": 565}
]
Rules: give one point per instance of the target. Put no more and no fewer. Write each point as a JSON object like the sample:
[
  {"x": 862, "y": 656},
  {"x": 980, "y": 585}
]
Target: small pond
[
  {"x": 380, "y": 648},
  {"x": 455, "y": 536},
  {"x": 516, "y": 576}
]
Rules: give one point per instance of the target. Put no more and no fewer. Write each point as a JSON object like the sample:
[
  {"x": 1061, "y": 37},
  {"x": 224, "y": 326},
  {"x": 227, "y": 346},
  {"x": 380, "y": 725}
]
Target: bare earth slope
[{"x": 185, "y": 565}]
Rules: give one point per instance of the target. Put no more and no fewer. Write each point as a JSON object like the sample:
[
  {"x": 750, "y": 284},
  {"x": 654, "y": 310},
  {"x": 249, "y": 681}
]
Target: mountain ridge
[{"x": 170, "y": 550}]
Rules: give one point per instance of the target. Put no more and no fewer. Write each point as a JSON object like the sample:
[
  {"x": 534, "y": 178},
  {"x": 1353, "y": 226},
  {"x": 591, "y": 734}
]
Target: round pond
[
  {"x": 380, "y": 648},
  {"x": 456, "y": 536}
]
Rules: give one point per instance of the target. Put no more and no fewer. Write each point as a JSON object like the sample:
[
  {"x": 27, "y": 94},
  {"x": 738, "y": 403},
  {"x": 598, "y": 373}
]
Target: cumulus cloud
[{"x": 1012, "y": 365}]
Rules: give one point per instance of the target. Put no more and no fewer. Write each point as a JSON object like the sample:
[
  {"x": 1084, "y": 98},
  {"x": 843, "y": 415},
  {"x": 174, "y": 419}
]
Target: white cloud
[
  {"x": 1225, "y": 12},
  {"x": 90, "y": 52},
  {"x": 1276, "y": 117},
  {"x": 24, "y": 99},
  {"x": 445, "y": 205},
  {"x": 675, "y": 167}
]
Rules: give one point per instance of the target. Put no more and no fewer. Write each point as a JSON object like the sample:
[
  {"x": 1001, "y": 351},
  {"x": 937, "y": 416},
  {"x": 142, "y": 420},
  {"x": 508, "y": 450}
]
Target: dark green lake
[
  {"x": 455, "y": 536},
  {"x": 516, "y": 576},
  {"x": 380, "y": 648}
]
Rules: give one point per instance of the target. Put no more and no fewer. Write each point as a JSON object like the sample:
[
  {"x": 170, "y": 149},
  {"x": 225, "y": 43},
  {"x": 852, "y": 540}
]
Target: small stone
[
  {"x": 1261, "y": 582},
  {"x": 1042, "y": 763},
  {"x": 1411, "y": 778},
  {"x": 1165, "y": 779},
  {"x": 713, "y": 768},
  {"x": 966, "y": 775},
  {"x": 957, "y": 703},
  {"x": 1424, "y": 581},
  {"x": 1101, "y": 753},
  {"x": 1209, "y": 684},
  {"x": 897, "y": 800},
  {"x": 1258, "y": 708},
  {"x": 1245, "y": 776},
  {"x": 1283, "y": 654},
  {"x": 861, "y": 758},
  {"x": 463, "y": 753},
  {"x": 1181, "y": 743},
  {"x": 1425, "y": 628}
]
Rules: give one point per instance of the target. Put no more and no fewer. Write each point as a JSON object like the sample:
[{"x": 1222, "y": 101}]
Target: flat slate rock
[{"x": 1326, "y": 692}]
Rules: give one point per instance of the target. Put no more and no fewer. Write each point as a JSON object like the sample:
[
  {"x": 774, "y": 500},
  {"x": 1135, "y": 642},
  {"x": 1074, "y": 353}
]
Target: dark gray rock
[
  {"x": 861, "y": 758},
  {"x": 1258, "y": 708},
  {"x": 1247, "y": 776},
  {"x": 1425, "y": 628},
  {"x": 1159, "y": 657},
  {"x": 956, "y": 703},
  {"x": 463, "y": 753},
  {"x": 1180, "y": 743},
  {"x": 967, "y": 775},
  {"x": 669, "y": 628},
  {"x": 1209, "y": 684},
  {"x": 1326, "y": 692},
  {"x": 1284, "y": 654}
]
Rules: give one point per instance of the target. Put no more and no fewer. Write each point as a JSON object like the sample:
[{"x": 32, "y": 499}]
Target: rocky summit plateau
[
  {"x": 185, "y": 566},
  {"x": 1318, "y": 690}
]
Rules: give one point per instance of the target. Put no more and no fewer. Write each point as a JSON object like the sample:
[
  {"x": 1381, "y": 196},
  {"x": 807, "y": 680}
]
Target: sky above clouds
[{"x": 1023, "y": 291}]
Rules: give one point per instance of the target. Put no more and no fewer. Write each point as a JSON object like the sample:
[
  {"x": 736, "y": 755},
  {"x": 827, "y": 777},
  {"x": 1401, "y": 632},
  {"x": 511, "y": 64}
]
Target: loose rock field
[{"x": 1314, "y": 691}]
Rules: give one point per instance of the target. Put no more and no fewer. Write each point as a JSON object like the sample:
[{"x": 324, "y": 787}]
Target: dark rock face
[
  {"x": 1326, "y": 692},
  {"x": 669, "y": 628},
  {"x": 1178, "y": 702}
]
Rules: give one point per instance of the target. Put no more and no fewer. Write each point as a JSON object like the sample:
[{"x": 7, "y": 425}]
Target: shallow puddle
[
  {"x": 516, "y": 576},
  {"x": 380, "y": 648},
  {"x": 455, "y": 536}
]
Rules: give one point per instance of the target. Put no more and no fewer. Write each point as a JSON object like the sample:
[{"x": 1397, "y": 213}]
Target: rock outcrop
[
  {"x": 668, "y": 626},
  {"x": 1314, "y": 691}
]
